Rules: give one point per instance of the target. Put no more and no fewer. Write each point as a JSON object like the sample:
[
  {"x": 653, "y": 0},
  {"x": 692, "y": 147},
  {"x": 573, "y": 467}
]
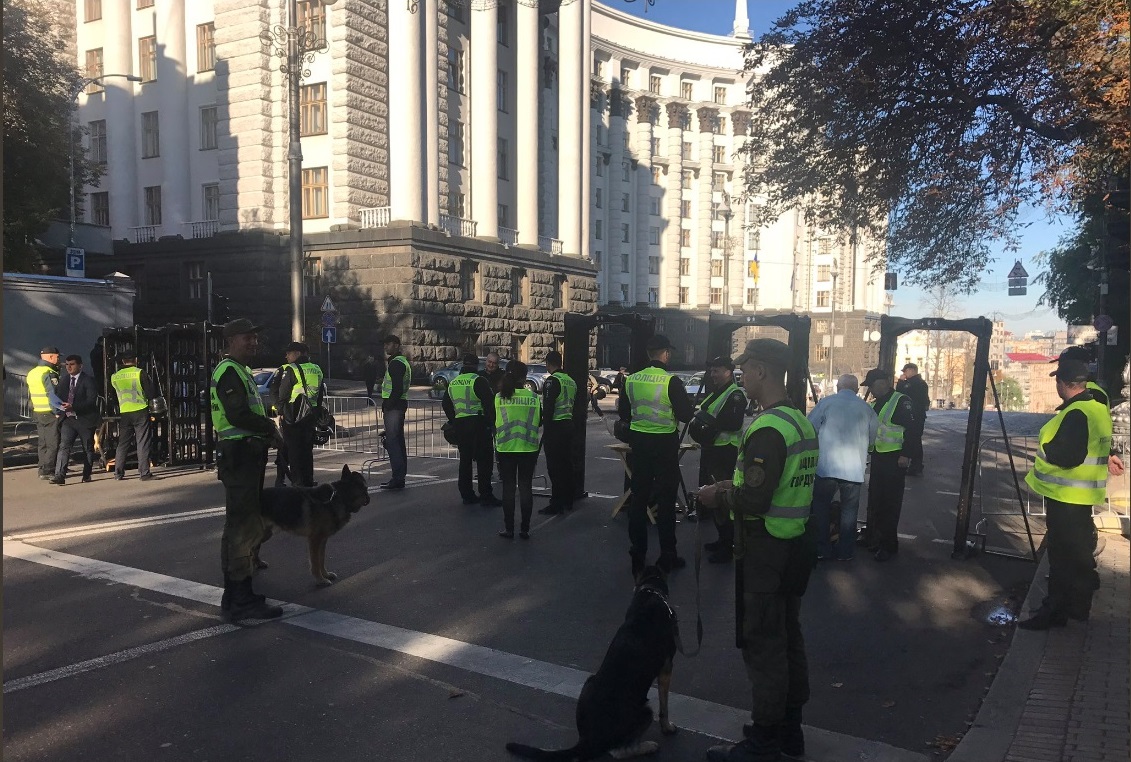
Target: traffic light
[{"x": 1117, "y": 212}]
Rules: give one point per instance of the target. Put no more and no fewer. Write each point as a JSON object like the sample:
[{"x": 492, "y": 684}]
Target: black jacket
[
  {"x": 85, "y": 404},
  {"x": 916, "y": 390}
]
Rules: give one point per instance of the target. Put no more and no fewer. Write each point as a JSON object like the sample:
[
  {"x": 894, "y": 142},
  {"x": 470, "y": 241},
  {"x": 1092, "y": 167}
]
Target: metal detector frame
[
  {"x": 575, "y": 358},
  {"x": 720, "y": 328}
]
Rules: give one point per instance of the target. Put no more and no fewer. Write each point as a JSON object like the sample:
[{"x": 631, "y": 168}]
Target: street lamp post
[
  {"x": 82, "y": 85},
  {"x": 727, "y": 213},
  {"x": 832, "y": 322},
  {"x": 296, "y": 46}
]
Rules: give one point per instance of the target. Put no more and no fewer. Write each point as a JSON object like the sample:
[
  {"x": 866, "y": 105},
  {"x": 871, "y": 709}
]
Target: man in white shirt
[{"x": 846, "y": 427}]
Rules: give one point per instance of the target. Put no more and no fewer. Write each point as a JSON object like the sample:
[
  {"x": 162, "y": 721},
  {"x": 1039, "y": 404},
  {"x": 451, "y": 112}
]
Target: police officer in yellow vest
[
  {"x": 654, "y": 403},
  {"x": 134, "y": 389},
  {"x": 518, "y": 415},
  {"x": 558, "y": 395},
  {"x": 769, "y": 500},
  {"x": 469, "y": 404},
  {"x": 394, "y": 407},
  {"x": 46, "y": 408},
  {"x": 243, "y": 435},
  {"x": 718, "y": 429},
  {"x": 1070, "y": 471},
  {"x": 301, "y": 378},
  {"x": 897, "y": 436},
  {"x": 1083, "y": 354}
]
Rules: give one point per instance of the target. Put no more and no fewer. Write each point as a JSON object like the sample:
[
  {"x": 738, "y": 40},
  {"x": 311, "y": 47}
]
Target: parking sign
[{"x": 76, "y": 262}]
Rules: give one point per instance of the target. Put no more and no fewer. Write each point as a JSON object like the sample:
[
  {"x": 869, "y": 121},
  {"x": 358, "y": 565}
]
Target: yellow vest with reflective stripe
[
  {"x": 789, "y": 505},
  {"x": 563, "y": 405},
  {"x": 313, "y": 375},
  {"x": 516, "y": 422},
  {"x": 889, "y": 437},
  {"x": 127, "y": 385},
  {"x": 724, "y": 437},
  {"x": 37, "y": 380},
  {"x": 224, "y": 428},
  {"x": 1099, "y": 394},
  {"x": 387, "y": 383},
  {"x": 1086, "y": 484},
  {"x": 647, "y": 391},
  {"x": 462, "y": 393}
]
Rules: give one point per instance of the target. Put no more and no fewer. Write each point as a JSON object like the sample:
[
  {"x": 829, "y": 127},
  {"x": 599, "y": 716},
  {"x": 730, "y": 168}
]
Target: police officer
[
  {"x": 1070, "y": 471},
  {"x": 897, "y": 435},
  {"x": 912, "y": 385},
  {"x": 653, "y": 402},
  {"x": 469, "y": 404},
  {"x": 721, "y": 416},
  {"x": 134, "y": 389},
  {"x": 769, "y": 500},
  {"x": 558, "y": 395},
  {"x": 46, "y": 408},
  {"x": 394, "y": 407},
  {"x": 243, "y": 433},
  {"x": 1114, "y": 461},
  {"x": 302, "y": 391},
  {"x": 518, "y": 416}
]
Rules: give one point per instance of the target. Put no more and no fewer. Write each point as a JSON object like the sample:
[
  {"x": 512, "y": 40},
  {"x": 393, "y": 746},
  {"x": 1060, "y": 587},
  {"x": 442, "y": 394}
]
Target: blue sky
[{"x": 1040, "y": 233}]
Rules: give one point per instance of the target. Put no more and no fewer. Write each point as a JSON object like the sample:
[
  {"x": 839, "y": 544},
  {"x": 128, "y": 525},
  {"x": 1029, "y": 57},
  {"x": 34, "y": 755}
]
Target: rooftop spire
[{"x": 741, "y": 19}]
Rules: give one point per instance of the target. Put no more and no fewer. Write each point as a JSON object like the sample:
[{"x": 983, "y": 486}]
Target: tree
[
  {"x": 1009, "y": 393},
  {"x": 39, "y": 84},
  {"x": 928, "y": 124}
]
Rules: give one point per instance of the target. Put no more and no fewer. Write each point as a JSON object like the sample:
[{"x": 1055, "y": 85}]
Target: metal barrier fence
[
  {"x": 358, "y": 428},
  {"x": 17, "y": 404}
]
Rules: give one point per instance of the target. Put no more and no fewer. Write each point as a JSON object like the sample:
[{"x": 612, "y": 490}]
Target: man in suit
[{"x": 79, "y": 398}]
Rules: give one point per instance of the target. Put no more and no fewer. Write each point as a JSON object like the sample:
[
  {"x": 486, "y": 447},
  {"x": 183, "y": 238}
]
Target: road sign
[
  {"x": 329, "y": 319},
  {"x": 76, "y": 262},
  {"x": 1103, "y": 323},
  {"x": 329, "y": 335},
  {"x": 1017, "y": 280},
  {"x": 328, "y": 306}
]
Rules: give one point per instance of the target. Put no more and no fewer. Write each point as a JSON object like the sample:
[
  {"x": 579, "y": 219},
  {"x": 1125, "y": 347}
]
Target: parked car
[
  {"x": 262, "y": 378},
  {"x": 535, "y": 375}
]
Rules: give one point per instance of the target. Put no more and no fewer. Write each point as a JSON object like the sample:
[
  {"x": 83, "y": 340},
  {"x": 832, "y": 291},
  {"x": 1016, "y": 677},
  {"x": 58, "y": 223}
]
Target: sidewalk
[{"x": 1064, "y": 694}]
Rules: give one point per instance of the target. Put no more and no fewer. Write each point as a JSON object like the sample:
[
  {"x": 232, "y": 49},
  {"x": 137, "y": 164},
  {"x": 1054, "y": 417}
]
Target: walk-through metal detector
[
  {"x": 891, "y": 328},
  {"x": 575, "y": 358},
  {"x": 720, "y": 329}
]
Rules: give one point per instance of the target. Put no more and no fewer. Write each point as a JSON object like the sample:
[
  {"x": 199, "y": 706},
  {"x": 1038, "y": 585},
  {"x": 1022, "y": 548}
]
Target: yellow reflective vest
[
  {"x": 462, "y": 393},
  {"x": 889, "y": 437},
  {"x": 647, "y": 392},
  {"x": 516, "y": 422},
  {"x": 789, "y": 505},
  {"x": 37, "y": 380},
  {"x": 1085, "y": 484},
  {"x": 127, "y": 385},
  {"x": 224, "y": 428}
]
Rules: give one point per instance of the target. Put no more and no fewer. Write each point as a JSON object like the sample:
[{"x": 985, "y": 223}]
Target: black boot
[
  {"x": 245, "y": 604},
  {"x": 790, "y": 735},
  {"x": 760, "y": 745}
]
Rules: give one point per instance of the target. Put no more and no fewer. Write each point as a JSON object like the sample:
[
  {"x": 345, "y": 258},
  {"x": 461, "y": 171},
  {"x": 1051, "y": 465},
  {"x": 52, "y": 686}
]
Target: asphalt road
[{"x": 442, "y": 641}]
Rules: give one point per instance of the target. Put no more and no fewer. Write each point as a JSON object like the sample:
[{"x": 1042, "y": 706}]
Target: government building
[{"x": 471, "y": 171}]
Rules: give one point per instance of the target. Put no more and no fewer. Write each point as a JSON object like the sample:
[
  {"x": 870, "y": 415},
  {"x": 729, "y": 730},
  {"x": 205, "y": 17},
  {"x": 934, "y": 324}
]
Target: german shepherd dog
[
  {"x": 613, "y": 710},
  {"x": 315, "y": 513}
]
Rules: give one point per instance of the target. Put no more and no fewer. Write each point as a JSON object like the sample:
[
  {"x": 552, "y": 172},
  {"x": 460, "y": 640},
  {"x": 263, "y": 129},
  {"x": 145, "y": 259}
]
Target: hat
[
  {"x": 874, "y": 375},
  {"x": 127, "y": 354},
  {"x": 296, "y": 346},
  {"x": 470, "y": 361},
  {"x": 1070, "y": 370},
  {"x": 49, "y": 350},
  {"x": 391, "y": 339},
  {"x": 555, "y": 357},
  {"x": 1074, "y": 353},
  {"x": 770, "y": 351},
  {"x": 721, "y": 362},
  {"x": 657, "y": 343},
  {"x": 240, "y": 326}
]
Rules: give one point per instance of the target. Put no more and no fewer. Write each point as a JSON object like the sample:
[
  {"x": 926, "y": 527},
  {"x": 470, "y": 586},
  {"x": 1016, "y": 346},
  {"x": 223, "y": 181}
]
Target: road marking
[
  {"x": 944, "y": 492},
  {"x": 115, "y": 526},
  {"x": 907, "y": 536},
  {"x": 602, "y": 457},
  {"x": 603, "y": 497}
]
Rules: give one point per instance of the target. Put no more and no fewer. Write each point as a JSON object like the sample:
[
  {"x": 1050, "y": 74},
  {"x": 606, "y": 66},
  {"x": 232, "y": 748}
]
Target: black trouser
[
  {"x": 516, "y": 470},
  {"x": 133, "y": 425},
  {"x": 474, "y": 447},
  {"x": 1071, "y": 542},
  {"x": 47, "y": 429},
  {"x": 299, "y": 441},
  {"x": 913, "y": 443},
  {"x": 885, "y": 501},
  {"x": 716, "y": 464},
  {"x": 558, "y": 441},
  {"x": 70, "y": 430},
  {"x": 655, "y": 478},
  {"x": 240, "y": 464}
]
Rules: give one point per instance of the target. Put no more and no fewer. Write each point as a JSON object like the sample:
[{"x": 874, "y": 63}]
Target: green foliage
[{"x": 1009, "y": 392}]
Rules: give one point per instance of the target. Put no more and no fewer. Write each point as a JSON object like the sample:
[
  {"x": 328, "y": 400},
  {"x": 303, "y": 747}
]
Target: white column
[
  {"x": 484, "y": 122},
  {"x": 573, "y": 103},
  {"x": 528, "y": 34},
  {"x": 406, "y": 108},
  {"x": 431, "y": 110},
  {"x": 173, "y": 117},
  {"x": 122, "y": 120},
  {"x": 584, "y": 166}
]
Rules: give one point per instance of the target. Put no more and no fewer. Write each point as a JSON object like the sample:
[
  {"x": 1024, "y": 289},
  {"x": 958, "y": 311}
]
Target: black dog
[
  {"x": 315, "y": 513},
  {"x": 613, "y": 710}
]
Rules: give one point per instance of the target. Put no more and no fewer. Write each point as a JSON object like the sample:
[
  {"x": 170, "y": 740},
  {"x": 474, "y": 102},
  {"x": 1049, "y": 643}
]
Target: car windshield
[{"x": 263, "y": 377}]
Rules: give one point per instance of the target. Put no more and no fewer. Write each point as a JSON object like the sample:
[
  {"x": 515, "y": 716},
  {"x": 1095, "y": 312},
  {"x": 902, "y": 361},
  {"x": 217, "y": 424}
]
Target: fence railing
[
  {"x": 144, "y": 233},
  {"x": 358, "y": 425},
  {"x": 550, "y": 245},
  {"x": 203, "y": 228},
  {"x": 17, "y": 404},
  {"x": 508, "y": 236},
  {"x": 457, "y": 226},
  {"x": 376, "y": 216}
]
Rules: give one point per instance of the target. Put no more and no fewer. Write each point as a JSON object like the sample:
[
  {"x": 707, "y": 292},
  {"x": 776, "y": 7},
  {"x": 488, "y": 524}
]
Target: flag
[{"x": 752, "y": 268}]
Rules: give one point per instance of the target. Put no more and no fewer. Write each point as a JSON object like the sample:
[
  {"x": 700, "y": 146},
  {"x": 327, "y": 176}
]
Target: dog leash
[{"x": 698, "y": 610}]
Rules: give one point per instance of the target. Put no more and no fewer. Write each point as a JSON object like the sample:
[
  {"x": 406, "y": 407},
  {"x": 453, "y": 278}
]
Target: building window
[
  {"x": 685, "y": 208},
  {"x": 143, "y": 4},
  {"x": 627, "y": 140},
  {"x": 823, "y": 298},
  {"x": 97, "y": 132},
  {"x": 153, "y": 205},
  {"x": 716, "y": 239},
  {"x": 685, "y": 90},
  {"x": 624, "y": 262},
  {"x": 685, "y": 121},
  {"x": 684, "y": 295},
  {"x": 654, "y": 236},
  {"x": 92, "y": 10},
  {"x": 94, "y": 69},
  {"x": 456, "y": 205},
  {"x": 518, "y": 281},
  {"x": 685, "y": 266},
  {"x": 502, "y": 25},
  {"x": 625, "y": 201},
  {"x": 687, "y": 177},
  {"x": 685, "y": 238},
  {"x": 655, "y": 147},
  {"x": 720, "y": 95},
  {"x": 653, "y": 265},
  {"x": 625, "y": 76},
  {"x": 719, "y": 126},
  {"x": 720, "y": 154},
  {"x": 600, "y": 167},
  {"x": 503, "y": 169},
  {"x": 503, "y": 214},
  {"x": 455, "y": 70},
  {"x": 312, "y": 17},
  {"x": 821, "y": 326},
  {"x": 624, "y": 297},
  {"x": 597, "y": 197},
  {"x": 312, "y": 109},
  {"x": 205, "y": 47},
  {"x": 624, "y": 232},
  {"x": 653, "y": 206},
  {"x": 598, "y": 229},
  {"x": 315, "y": 193},
  {"x": 207, "y": 128},
  {"x": 753, "y": 240},
  {"x": 751, "y": 296},
  {"x": 150, "y": 135},
  {"x": 825, "y": 246},
  {"x": 100, "y": 208},
  {"x": 626, "y": 168},
  {"x": 716, "y": 268},
  {"x": 454, "y": 9},
  {"x": 716, "y": 297},
  {"x": 469, "y": 281},
  {"x": 598, "y": 67},
  {"x": 718, "y": 181},
  {"x": 455, "y": 142},
  {"x": 195, "y": 280},
  {"x": 210, "y": 201},
  {"x": 685, "y": 153},
  {"x": 657, "y": 175},
  {"x": 654, "y": 84},
  {"x": 312, "y": 277},
  {"x": 824, "y": 273},
  {"x": 597, "y": 259},
  {"x": 147, "y": 58},
  {"x": 822, "y": 354},
  {"x": 653, "y": 296},
  {"x": 501, "y": 87}
]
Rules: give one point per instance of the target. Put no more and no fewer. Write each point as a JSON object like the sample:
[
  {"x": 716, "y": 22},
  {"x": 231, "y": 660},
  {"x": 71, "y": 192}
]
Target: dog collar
[{"x": 659, "y": 594}]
